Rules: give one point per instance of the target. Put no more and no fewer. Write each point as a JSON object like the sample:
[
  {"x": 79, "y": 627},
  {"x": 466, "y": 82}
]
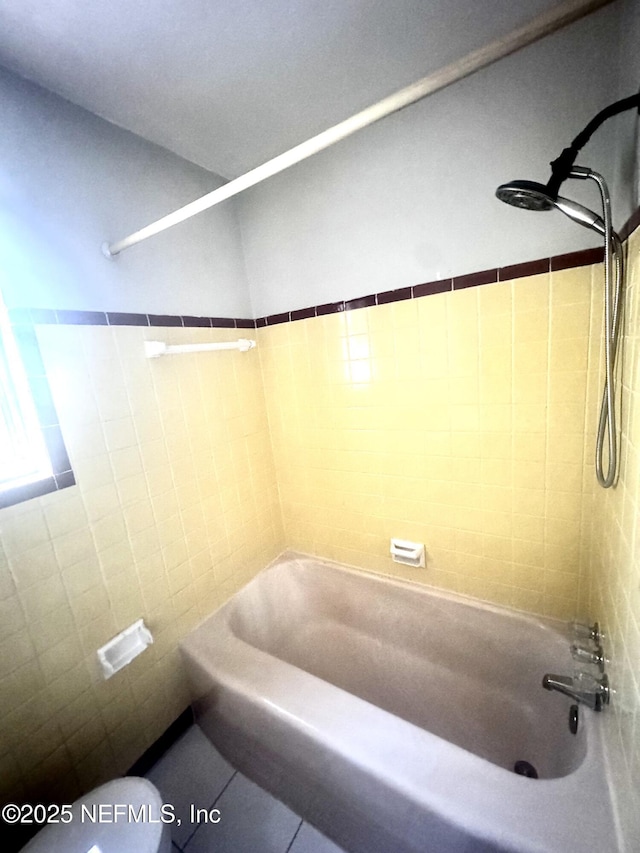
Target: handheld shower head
[
  {"x": 528, "y": 195},
  {"x": 533, "y": 196},
  {"x": 580, "y": 214}
]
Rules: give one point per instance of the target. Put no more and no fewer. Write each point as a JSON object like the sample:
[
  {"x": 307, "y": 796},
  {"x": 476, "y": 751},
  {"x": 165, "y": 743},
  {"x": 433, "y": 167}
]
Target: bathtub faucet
[
  {"x": 585, "y": 688},
  {"x": 594, "y": 656}
]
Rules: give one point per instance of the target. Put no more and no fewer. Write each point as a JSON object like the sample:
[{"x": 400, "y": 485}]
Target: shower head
[{"x": 528, "y": 195}]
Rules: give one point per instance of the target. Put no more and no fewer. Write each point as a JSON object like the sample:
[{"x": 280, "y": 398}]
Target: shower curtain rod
[{"x": 549, "y": 22}]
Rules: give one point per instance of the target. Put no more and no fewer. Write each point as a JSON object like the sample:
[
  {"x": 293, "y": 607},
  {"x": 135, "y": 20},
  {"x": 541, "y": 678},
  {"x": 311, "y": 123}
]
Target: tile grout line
[
  {"x": 232, "y": 777},
  {"x": 295, "y": 835}
]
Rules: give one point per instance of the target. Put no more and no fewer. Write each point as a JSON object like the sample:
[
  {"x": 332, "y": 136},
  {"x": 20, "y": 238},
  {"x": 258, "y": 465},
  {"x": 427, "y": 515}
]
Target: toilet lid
[{"x": 122, "y": 816}]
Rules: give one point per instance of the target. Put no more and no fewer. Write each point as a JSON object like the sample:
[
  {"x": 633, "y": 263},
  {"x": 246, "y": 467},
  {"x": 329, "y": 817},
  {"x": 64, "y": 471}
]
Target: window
[
  {"x": 23, "y": 453},
  {"x": 33, "y": 458}
]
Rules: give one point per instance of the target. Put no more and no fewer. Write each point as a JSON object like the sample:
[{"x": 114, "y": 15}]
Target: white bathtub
[{"x": 391, "y": 716}]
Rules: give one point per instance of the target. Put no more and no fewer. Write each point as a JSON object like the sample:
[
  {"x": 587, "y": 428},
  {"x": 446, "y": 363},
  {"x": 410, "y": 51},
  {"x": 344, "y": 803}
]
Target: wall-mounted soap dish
[{"x": 123, "y": 648}]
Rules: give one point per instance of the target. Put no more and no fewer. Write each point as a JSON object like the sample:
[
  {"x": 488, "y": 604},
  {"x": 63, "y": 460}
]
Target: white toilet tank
[{"x": 97, "y": 826}]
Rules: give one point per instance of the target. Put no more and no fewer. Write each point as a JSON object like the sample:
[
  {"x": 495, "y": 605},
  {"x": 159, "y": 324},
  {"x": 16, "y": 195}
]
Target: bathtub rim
[{"x": 550, "y": 623}]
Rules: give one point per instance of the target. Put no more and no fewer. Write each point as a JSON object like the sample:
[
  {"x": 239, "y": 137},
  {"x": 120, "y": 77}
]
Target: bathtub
[{"x": 391, "y": 716}]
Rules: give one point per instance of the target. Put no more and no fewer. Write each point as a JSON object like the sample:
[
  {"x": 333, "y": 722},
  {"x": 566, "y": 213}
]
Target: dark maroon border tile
[
  {"x": 583, "y": 258},
  {"x": 430, "y": 288},
  {"x": 118, "y": 318},
  {"x": 261, "y": 322},
  {"x": 196, "y": 322},
  {"x": 329, "y": 308},
  {"x": 81, "y": 318},
  {"x": 222, "y": 322},
  {"x": 398, "y": 295},
  {"x": 303, "y": 313},
  {"x": 360, "y": 302},
  {"x": 537, "y": 267},
  {"x": 164, "y": 320},
  {"x": 276, "y": 319},
  {"x": 475, "y": 279},
  {"x": 245, "y": 324}
]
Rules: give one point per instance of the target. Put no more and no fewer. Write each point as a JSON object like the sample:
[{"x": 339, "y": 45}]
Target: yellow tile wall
[
  {"x": 465, "y": 420},
  {"x": 610, "y": 585},
  {"x": 456, "y": 420},
  {"x": 176, "y": 506}
]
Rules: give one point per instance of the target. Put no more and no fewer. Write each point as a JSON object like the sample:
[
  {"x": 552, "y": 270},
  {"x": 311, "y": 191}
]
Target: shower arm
[{"x": 563, "y": 165}]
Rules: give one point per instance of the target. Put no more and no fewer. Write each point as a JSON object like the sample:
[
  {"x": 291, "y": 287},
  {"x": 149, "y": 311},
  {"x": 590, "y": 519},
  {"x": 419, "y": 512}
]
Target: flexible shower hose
[{"x": 612, "y": 314}]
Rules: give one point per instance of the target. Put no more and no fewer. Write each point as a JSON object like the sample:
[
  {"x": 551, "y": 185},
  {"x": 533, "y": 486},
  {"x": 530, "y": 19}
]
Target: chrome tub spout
[{"x": 586, "y": 689}]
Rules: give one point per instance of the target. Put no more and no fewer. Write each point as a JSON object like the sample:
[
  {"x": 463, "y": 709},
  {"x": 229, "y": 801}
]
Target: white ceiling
[{"x": 229, "y": 84}]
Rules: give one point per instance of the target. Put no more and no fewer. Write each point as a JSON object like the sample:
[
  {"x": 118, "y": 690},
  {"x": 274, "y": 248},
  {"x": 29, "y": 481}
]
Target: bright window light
[{"x": 24, "y": 457}]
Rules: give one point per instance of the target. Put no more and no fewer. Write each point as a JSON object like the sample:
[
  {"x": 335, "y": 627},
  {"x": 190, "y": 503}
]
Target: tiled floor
[{"x": 192, "y": 774}]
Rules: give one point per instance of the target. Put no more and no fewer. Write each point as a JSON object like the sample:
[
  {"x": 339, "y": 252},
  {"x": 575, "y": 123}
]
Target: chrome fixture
[
  {"x": 588, "y": 632},
  {"x": 530, "y": 195},
  {"x": 527, "y": 195},
  {"x": 594, "y": 656},
  {"x": 584, "y": 688}
]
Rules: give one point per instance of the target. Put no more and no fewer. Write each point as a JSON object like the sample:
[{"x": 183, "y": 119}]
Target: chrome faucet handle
[
  {"x": 596, "y": 690},
  {"x": 585, "y": 688},
  {"x": 584, "y": 655},
  {"x": 588, "y": 632}
]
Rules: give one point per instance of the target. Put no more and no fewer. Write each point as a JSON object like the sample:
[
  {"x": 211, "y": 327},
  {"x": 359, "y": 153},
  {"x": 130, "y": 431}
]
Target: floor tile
[
  {"x": 309, "y": 840},
  {"x": 191, "y": 772},
  {"x": 251, "y": 821}
]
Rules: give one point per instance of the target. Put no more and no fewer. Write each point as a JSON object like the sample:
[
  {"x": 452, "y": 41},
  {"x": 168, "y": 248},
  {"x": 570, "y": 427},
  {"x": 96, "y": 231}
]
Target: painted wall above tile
[{"x": 70, "y": 181}]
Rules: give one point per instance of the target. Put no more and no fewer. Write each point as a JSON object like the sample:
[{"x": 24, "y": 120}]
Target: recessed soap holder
[
  {"x": 124, "y": 647},
  {"x": 408, "y": 553}
]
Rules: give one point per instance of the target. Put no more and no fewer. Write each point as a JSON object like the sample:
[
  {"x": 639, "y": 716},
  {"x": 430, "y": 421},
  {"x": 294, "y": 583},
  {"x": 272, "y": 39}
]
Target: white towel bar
[{"x": 154, "y": 349}]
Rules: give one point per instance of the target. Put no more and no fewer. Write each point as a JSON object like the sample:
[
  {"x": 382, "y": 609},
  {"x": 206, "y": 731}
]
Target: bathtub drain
[{"x": 523, "y": 768}]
